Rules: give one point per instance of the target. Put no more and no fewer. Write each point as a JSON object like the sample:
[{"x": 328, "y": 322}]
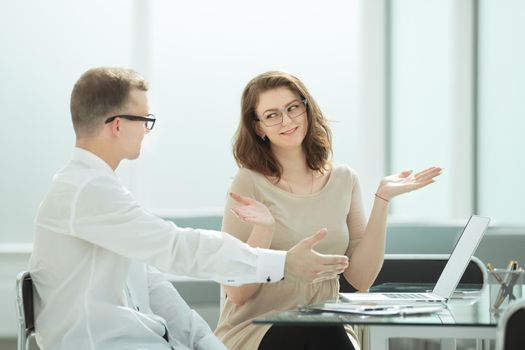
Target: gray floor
[
  {"x": 10, "y": 344},
  {"x": 395, "y": 344}
]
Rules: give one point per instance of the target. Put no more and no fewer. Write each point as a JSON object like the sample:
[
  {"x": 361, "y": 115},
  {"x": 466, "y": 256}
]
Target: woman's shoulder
[
  {"x": 343, "y": 176},
  {"x": 344, "y": 171},
  {"x": 247, "y": 178},
  {"x": 245, "y": 174}
]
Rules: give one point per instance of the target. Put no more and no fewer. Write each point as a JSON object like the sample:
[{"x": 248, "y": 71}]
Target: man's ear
[{"x": 115, "y": 127}]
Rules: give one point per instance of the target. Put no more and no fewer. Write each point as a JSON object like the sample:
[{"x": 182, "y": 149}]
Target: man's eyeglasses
[
  {"x": 275, "y": 117},
  {"x": 149, "y": 120}
]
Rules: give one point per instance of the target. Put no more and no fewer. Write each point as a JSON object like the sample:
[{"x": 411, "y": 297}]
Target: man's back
[
  {"x": 80, "y": 301},
  {"x": 88, "y": 231}
]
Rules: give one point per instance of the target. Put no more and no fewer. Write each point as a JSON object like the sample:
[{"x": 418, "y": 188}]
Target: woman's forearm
[{"x": 367, "y": 257}]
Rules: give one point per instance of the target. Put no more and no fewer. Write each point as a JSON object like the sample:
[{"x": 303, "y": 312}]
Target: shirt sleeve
[
  {"x": 242, "y": 184},
  {"x": 184, "y": 324},
  {"x": 355, "y": 220},
  {"x": 107, "y": 215}
]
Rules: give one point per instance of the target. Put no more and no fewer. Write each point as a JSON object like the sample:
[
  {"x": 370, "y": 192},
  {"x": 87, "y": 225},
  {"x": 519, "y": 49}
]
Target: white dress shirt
[
  {"x": 149, "y": 292},
  {"x": 88, "y": 230}
]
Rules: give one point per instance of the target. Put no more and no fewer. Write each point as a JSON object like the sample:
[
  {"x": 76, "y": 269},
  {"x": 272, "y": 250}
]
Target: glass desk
[{"x": 467, "y": 316}]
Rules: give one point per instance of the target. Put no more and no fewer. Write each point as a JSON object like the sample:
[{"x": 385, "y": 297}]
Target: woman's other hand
[
  {"x": 406, "y": 181},
  {"x": 252, "y": 211}
]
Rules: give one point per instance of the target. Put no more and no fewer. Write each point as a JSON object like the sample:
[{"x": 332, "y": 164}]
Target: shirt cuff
[{"x": 270, "y": 265}]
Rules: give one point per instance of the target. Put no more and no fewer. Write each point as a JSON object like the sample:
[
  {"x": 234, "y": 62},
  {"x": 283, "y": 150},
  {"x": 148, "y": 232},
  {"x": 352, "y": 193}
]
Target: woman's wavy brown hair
[{"x": 252, "y": 152}]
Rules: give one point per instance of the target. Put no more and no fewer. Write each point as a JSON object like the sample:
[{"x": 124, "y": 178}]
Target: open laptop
[{"x": 448, "y": 280}]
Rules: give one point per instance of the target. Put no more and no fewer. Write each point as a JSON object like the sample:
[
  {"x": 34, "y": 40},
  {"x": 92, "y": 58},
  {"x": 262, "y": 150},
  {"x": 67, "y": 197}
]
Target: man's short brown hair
[{"x": 100, "y": 93}]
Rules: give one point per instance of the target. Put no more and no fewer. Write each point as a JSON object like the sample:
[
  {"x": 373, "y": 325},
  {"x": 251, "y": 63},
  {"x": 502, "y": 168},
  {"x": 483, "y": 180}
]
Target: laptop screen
[{"x": 461, "y": 254}]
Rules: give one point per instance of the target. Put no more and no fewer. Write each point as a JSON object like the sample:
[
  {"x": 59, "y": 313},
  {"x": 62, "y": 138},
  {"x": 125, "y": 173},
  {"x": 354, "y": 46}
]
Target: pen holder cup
[{"x": 505, "y": 286}]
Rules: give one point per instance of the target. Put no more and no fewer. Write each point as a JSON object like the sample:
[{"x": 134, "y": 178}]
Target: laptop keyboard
[{"x": 407, "y": 296}]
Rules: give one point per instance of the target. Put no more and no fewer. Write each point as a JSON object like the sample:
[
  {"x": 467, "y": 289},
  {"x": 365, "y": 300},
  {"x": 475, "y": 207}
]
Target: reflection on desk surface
[
  {"x": 379, "y": 309},
  {"x": 463, "y": 288},
  {"x": 459, "y": 312},
  {"x": 463, "y": 291}
]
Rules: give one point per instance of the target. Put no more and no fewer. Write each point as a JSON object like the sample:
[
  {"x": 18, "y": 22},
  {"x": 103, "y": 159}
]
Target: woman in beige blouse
[{"x": 283, "y": 148}]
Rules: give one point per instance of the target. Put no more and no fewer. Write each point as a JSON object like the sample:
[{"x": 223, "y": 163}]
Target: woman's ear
[{"x": 259, "y": 131}]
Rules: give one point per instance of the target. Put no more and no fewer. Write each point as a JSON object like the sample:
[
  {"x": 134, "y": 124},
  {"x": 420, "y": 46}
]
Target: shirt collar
[{"x": 91, "y": 159}]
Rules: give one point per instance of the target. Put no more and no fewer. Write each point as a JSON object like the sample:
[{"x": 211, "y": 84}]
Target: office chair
[
  {"x": 421, "y": 269},
  {"x": 25, "y": 313},
  {"x": 510, "y": 334}
]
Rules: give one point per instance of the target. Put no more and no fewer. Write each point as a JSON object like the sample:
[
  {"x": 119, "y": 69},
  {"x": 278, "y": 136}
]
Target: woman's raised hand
[
  {"x": 406, "y": 181},
  {"x": 252, "y": 211}
]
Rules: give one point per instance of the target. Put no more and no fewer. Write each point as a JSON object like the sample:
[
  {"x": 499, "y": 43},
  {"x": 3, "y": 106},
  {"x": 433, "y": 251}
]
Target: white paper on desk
[{"x": 378, "y": 310}]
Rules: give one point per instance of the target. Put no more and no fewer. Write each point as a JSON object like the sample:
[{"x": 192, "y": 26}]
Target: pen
[
  {"x": 496, "y": 276},
  {"x": 501, "y": 293},
  {"x": 509, "y": 289},
  {"x": 512, "y": 283},
  {"x": 384, "y": 308}
]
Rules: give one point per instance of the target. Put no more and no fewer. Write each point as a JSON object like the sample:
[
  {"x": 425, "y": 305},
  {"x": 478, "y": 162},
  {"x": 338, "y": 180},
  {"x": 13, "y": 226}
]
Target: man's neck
[{"x": 101, "y": 150}]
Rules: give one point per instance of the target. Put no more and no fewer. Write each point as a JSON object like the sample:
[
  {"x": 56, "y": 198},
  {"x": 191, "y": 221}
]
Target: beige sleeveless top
[{"x": 337, "y": 206}]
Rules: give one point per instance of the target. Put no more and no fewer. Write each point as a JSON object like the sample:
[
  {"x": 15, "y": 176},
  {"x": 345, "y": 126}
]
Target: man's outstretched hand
[{"x": 305, "y": 264}]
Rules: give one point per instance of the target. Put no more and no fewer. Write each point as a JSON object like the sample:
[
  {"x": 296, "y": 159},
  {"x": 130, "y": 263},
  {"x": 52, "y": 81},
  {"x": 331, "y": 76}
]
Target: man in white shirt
[{"x": 91, "y": 235}]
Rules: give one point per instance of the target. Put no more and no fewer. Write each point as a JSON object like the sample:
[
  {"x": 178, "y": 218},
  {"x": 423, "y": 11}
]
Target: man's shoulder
[{"x": 78, "y": 175}]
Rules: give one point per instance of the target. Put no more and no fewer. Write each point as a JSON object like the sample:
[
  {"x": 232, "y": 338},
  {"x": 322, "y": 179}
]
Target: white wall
[
  {"x": 421, "y": 114},
  {"x": 202, "y": 57},
  {"x": 45, "y": 46},
  {"x": 502, "y": 111},
  {"x": 197, "y": 57}
]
